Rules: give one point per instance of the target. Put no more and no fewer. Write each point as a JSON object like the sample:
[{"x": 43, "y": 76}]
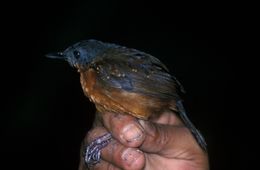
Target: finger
[
  {"x": 166, "y": 118},
  {"x": 168, "y": 139},
  {"x": 117, "y": 154},
  {"x": 127, "y": 129},
  {"x": 124, "y": 128},
  {"x": 100, "y": 166},
  {"x": 123, "y": 157},
  {"x": 104, "y": 165}
]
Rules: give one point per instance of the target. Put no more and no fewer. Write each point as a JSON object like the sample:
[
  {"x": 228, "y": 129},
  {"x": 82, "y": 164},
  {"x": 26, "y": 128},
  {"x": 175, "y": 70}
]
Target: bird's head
[{"x": 80, "y": 54}]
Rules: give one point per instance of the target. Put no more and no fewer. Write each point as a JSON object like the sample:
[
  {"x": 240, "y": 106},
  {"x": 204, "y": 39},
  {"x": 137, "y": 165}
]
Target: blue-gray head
[{"x": 82, "y": 53}]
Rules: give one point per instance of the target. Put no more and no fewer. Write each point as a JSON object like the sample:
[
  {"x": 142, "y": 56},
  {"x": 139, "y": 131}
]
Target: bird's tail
[{"x": 195, "y": 132}]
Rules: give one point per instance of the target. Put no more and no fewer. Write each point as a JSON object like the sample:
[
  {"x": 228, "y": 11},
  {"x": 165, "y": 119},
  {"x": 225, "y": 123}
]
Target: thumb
[{"x": 167, "y": 139}]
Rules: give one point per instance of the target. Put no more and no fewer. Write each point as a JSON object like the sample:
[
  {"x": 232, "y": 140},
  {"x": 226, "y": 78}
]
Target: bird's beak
[{"x": 58, "y": 55}]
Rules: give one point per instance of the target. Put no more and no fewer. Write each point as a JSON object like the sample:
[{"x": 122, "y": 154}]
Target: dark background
[{"x": 45, "y": 114}]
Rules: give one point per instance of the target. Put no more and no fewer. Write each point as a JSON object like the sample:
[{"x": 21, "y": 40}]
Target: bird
[{"x": 126, "y": 81}]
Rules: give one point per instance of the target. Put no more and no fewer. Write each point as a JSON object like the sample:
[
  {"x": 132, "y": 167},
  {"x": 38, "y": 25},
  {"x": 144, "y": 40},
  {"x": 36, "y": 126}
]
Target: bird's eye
[{"x": 76, "y": 54}]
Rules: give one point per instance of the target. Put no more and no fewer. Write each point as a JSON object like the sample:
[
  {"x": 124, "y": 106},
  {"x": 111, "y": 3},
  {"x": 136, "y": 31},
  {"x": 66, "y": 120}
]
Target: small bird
[{"x": 124, "y": 80}]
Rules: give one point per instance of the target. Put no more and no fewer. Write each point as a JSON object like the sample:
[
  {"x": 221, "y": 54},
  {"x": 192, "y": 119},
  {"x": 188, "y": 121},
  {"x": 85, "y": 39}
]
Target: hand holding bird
[{"x": 125, "y": 81}]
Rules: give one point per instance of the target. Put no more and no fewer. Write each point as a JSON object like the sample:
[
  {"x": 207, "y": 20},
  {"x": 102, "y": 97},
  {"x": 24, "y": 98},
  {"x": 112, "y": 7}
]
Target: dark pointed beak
[{"x": 58, "y": 55}]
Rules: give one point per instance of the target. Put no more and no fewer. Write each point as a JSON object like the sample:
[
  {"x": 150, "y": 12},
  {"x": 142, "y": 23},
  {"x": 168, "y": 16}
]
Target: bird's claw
[{"x": 93, "y": 150}]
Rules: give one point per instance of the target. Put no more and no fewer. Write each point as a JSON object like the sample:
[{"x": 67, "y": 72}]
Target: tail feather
[{"x": 195, "y": 132}]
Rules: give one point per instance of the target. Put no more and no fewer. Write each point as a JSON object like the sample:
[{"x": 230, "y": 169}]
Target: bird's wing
[{"x": 135, "y": 71}]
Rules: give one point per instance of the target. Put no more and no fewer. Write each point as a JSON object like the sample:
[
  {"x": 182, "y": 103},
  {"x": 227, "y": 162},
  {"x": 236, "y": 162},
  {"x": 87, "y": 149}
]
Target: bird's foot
[{"x": 93, "y": 150}]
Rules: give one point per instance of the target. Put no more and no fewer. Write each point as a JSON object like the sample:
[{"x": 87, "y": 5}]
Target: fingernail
[
  {"x": 132, "y": 132},
  {"x": 130, "y": 155}
]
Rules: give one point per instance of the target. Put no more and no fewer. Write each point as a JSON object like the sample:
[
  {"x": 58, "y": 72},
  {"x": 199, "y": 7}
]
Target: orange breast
[{"x": 117, "y": 100}]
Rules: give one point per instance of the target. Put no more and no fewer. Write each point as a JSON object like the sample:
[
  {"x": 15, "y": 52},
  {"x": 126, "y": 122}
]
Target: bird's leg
[{"x": 93, "y": 150}]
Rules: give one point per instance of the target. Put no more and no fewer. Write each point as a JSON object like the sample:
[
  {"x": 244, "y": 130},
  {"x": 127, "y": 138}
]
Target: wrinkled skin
[{"x": 164, "y": 143}]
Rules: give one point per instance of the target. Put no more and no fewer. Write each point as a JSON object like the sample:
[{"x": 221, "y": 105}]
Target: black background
[{"x": 45, "y": 114}]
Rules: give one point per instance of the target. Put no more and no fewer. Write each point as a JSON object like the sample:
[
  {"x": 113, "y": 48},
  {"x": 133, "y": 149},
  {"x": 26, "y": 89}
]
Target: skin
[{"x": 164, "y": 143}]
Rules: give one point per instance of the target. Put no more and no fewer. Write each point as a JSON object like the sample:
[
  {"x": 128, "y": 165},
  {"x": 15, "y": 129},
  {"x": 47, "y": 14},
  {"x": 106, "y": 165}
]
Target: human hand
[{"x": 162, "y": 143}]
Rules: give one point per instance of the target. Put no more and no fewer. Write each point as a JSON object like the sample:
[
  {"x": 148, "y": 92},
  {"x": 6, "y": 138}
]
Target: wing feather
[{"x": 135, "y": 71}]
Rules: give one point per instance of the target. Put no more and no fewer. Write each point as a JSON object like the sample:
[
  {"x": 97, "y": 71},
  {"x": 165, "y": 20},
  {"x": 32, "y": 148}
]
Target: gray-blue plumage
[
  {"x": 83, "y": 52},
  {"x": 124, "y": 68},
  {"x": 130, "y": 70}
]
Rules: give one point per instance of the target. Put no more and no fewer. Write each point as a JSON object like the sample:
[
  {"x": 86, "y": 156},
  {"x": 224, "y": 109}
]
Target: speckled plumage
[{"x": 125, "y": 80}]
